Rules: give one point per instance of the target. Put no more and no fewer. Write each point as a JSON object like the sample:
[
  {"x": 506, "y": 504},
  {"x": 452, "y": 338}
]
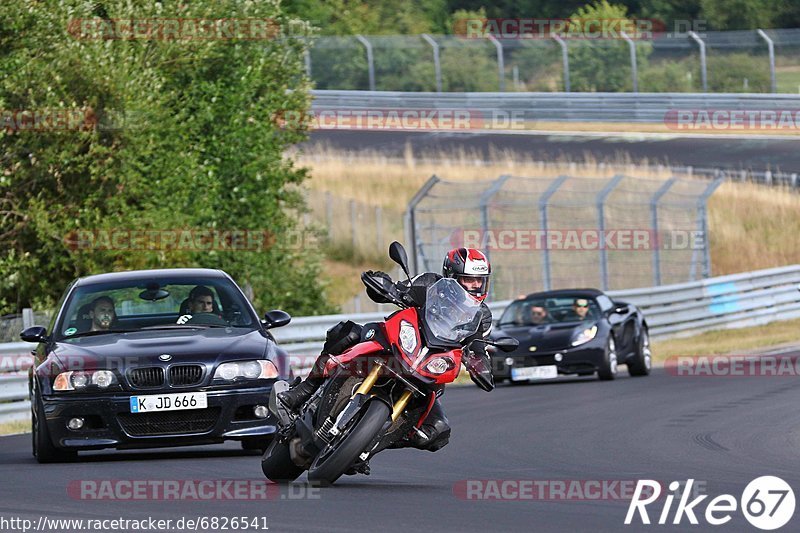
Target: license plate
[
  {"x": 534, "y": 372},
  {"x": 168, "y": 402}
]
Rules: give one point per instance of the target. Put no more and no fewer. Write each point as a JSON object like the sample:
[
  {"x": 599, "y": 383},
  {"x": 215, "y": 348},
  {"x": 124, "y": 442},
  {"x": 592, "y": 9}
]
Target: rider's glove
[{"x": 480, "y": 371}]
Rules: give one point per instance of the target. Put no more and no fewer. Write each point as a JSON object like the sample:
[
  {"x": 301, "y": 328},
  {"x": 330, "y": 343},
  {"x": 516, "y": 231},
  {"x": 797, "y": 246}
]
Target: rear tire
[
  {"x": 608, "y": 368},
  {"x": 277, "y": 463},
  {"x": 643, "y": 360},
  {"x": 328, "y": 467},
  {"x": 256, "y": 443}
]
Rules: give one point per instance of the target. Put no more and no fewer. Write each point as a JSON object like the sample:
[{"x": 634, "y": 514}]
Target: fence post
[
  {"x": 329, "y": 215},
  {"x": 411, "y": 223},
  {"x": 544, "y": 200},
  {"x": 307, "y": 59},
  {"x": 654, "y": 226},
  {"x": 703, "y": 73},
  {"x": 601, "y": 220},
  {"x": 634, "y": 67},
  {"x": 379, "y": 227},
  {"x": 27, "y": 318},
  {"x": 437, "y": 67},
  {"x": 370, "y": 60},
  {"x": 771, "y": 47},
  {"x": 564, "y": 60},
  {"x": 353, "y": 224},
  {"x": 501, "y": 66}
]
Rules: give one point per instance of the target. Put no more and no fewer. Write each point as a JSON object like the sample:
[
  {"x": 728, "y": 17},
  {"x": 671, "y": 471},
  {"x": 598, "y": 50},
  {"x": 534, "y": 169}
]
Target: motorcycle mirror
[
  {"x": 506, "y": 344},
  {"x": 398, "y": 254}
]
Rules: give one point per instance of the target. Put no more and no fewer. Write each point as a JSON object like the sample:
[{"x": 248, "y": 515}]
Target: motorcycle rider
[{"x": 472, "y": 270}]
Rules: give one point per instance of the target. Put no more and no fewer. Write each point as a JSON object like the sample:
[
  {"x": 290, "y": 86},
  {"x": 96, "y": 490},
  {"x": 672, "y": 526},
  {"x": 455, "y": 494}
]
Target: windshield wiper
[{"x": 184, "y": 326}]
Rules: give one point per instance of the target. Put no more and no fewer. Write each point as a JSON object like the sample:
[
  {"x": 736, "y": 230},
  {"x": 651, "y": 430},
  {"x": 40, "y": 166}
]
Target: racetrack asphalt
[
  {"x": 747, "y": 152},
  {"x": 721, "y": 431}
]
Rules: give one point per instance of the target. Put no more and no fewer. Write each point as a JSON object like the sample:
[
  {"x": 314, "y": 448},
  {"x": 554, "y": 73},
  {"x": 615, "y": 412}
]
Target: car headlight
[
  {"x": 408, "y": 337},
  {"x": 439, "y": 365},
  {"x": 261, "y": 369},
  {"x": 585, "y": 336},
  {"x": 72, "y": 380}
]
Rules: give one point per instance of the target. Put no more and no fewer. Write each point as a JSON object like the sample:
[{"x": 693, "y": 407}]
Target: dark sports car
[
  {"x": 571, "y": 331},
  {"x": 153, "y": 358}
]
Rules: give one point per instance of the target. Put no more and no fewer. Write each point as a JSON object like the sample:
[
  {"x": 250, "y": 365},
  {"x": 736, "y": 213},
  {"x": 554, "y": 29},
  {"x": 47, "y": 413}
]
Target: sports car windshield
[
  {"x": 149, "y": 304},
  {"x": 451, "y": 314},
  {"x": 535, "y": 311}
]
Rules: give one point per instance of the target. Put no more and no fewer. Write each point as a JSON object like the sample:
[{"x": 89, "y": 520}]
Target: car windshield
[
  {"x": 451, "y": 314},
  {"x": 537, "y": 311},
  {"x": 142, "y": 304}
]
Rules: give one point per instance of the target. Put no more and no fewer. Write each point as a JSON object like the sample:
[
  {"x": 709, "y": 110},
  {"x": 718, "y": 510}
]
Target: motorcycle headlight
[
  {"x": 261, "y": 369},
  {"x": 585, "y": 336},
  {"x": 439, "y": 365},
  {"x": 67, "y": 381},
  {"x": 408, "y": 337}
]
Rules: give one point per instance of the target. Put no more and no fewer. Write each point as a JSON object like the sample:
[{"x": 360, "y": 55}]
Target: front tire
[
  {"x": 277, "y": 463},
  {"x": 608, "y": 368},
  {"x": 43, "y": 448},
  {"x": 332, "y": 462},
  {"x": 643, "y": 360}
]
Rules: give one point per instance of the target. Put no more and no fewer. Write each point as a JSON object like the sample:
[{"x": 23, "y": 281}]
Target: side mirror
[
  {"x": 34, "y": 334},
  {"x": 398, "y": 254},
  {"x": 276, "y": 318},
  {"x": 621, "y": 309},
  {"x": 506, "y": 344}
]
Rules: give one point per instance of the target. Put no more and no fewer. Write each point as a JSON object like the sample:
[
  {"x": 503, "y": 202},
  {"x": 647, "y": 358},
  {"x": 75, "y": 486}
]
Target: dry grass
[
  {"x": 729, "y": 341},
  {"x": 10, "y": 428},
  {"x": 751, "y": 226}
]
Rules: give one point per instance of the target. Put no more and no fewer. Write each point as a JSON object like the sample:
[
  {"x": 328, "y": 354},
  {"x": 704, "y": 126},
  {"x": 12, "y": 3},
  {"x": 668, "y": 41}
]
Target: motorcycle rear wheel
[
  {"x": 277, "y": 463},
  {"x": 334, "y": 460}
]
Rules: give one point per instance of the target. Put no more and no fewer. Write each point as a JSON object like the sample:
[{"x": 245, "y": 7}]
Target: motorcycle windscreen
[{"x": 450, "y": 312}]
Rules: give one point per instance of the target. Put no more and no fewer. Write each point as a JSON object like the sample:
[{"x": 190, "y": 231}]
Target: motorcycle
[{"x": 379, "y": 391}]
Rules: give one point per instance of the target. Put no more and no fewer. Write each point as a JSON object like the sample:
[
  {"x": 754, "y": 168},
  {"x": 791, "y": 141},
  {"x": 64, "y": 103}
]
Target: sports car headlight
[
  {"x": 73, "y": 380},
  {"x": 585, "y": 336},
  {"x": 260, "y": 369},
  {"x": 408, "y": 337}
]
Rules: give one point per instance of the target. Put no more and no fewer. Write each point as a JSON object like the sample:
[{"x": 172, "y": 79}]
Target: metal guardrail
[
  {"x": 724, "y": 302},
  {"x": 557, "y": 107}
]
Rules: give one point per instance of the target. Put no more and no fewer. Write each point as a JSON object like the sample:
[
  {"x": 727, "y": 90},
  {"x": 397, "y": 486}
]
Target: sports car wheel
[
  {"x": 608, "y": 368},
  {"x": 643, "y": 360},
  {"x": 43, "y": 448}
]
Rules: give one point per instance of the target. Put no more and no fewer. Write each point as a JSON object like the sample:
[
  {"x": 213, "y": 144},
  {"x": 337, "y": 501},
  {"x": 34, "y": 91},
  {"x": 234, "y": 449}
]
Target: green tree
[{"x": 180, "y": 134}]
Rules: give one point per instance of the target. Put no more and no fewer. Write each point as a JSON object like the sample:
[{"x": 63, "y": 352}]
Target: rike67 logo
[{"x": 767, "y": 503}]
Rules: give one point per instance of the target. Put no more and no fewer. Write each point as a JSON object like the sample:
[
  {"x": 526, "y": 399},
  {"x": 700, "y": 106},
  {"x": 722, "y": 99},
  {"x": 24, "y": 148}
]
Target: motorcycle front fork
[{"x": 369, "y": 382}]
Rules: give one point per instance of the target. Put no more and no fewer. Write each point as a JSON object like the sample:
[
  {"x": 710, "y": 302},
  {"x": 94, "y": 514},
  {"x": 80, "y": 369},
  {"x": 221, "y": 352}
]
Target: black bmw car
[
  {"x": 153, "y": 358},
  {"x": 571, "y": 331}
]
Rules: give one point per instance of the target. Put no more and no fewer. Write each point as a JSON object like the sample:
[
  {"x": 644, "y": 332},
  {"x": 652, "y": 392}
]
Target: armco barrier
[
  {"x": 724, "y": 302},
  {"x": 556, "y": 107}
]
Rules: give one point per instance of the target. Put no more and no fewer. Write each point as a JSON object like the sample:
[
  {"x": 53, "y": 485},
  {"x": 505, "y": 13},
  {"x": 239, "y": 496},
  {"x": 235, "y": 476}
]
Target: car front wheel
[
  {"x": 43, "y": 448},
  {"x": 608, "y": 367}
]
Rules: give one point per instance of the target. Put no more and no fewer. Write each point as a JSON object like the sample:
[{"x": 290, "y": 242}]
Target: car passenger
[
  {"x": 579, "y": 311},
  {"x": 539, "y": 315}
]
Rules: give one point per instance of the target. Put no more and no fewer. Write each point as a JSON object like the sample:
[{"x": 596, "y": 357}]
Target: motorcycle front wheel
[{"x": 335, "y": 459}]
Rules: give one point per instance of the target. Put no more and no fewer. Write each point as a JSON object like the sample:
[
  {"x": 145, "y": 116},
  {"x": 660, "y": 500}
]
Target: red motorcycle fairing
[
  {"x": 358, "y": 350},
  {"x": 392, "y": 329}
]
